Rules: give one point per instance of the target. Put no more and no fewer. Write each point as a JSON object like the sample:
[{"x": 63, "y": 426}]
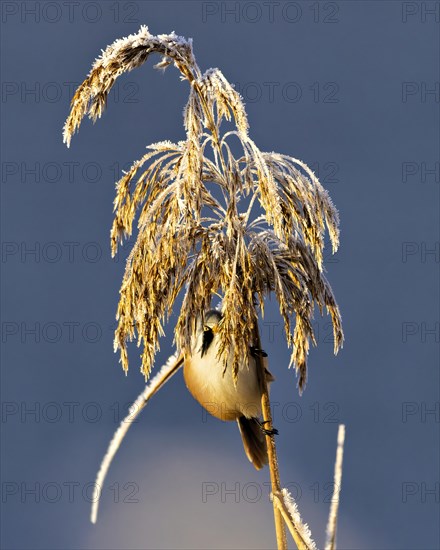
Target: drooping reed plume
[{"x": 211, "y": 222}]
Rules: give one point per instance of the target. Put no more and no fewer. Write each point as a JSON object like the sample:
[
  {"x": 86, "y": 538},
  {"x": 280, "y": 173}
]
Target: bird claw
[
  {"x": 256, "y": 352},
  {"x": 270, "y": 432}
]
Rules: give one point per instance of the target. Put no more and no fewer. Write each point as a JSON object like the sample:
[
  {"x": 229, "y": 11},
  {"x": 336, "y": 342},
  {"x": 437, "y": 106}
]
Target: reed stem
[{"x": 280, "y": 530}]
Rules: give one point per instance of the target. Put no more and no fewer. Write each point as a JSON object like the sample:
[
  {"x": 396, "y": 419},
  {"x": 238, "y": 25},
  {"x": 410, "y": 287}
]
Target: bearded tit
[{"x": 213, "y": 387}]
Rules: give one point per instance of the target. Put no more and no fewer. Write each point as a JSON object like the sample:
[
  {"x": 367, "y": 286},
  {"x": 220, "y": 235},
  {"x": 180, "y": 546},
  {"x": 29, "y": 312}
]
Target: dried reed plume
[
  {"x": 211, "y": 223},
  {"x": 188, "y": 238}
]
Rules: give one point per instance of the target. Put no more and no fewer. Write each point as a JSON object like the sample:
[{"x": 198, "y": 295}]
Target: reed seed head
[{"x": 211, "y": 222}]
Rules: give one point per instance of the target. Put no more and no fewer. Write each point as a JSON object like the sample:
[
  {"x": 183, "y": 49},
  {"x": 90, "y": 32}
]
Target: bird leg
[{"x": 273, "y": 431}]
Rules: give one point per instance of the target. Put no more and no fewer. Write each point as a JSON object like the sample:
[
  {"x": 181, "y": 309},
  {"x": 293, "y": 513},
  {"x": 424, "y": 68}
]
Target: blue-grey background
[{"x": 352, "y": 88}]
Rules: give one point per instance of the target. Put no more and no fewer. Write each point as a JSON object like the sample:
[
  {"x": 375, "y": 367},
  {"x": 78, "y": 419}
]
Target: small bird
[{"x": 213, "y": 387}]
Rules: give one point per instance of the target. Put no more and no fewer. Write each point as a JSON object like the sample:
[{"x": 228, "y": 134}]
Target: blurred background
[{"x": 351, "y": 88}]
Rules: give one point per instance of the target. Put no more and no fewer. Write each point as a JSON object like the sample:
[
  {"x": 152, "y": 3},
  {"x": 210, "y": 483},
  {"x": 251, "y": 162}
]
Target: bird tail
[{"x": 254, "y": 441}]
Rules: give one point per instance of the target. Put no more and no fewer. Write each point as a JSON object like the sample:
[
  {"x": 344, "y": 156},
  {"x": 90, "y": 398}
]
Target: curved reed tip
[{"x": 124, "y": 55}]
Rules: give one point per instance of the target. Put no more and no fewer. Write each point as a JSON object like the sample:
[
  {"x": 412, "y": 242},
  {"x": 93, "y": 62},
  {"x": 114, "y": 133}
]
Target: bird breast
[{"x": 215, "y": 390}]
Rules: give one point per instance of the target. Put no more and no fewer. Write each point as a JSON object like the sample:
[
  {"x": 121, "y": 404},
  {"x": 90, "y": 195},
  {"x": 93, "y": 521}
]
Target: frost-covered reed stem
[
  {"x": 300, "y": 531},
  {"x": 165, "y": 373},
  {"x": 334, "y": 507}
]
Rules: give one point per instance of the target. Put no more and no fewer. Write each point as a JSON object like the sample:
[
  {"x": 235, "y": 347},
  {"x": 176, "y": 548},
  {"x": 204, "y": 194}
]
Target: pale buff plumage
[{"x": 213, "y": 386}]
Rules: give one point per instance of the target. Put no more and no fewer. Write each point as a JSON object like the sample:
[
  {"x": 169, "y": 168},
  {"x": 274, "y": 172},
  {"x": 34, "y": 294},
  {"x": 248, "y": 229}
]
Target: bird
[{"x": 213, "y": 387}]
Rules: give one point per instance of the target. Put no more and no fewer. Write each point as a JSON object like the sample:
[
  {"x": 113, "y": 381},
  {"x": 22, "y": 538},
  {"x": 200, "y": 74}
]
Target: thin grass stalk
[
  {"x": 280, "y": 530},
  {"x": 165, "y": 373},
  {"x": 334, "y": 507}
]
